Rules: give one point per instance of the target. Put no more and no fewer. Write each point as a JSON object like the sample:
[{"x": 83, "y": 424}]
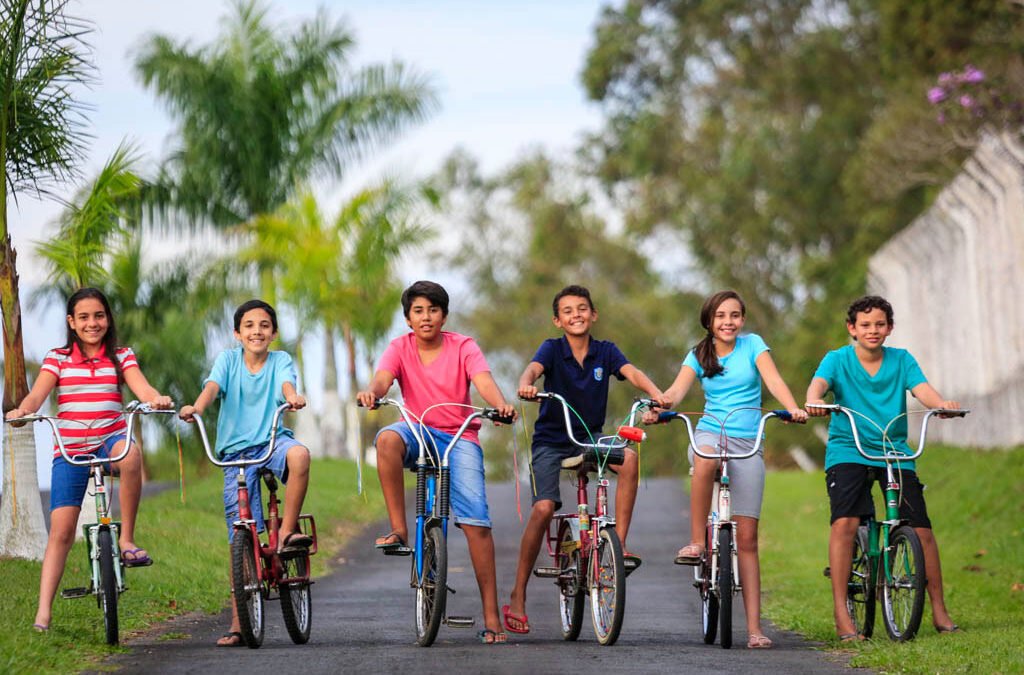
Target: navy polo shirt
[{"x": 584, "y": 387}]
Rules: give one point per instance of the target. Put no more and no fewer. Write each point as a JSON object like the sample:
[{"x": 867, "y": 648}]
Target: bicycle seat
[
  {"x": 591, "y": 457},
  {"x": 269, "y": 478}
]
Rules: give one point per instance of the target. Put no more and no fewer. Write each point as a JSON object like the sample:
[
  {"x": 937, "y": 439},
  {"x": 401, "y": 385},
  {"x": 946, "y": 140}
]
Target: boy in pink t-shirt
[{"x": 434, "y": 366}]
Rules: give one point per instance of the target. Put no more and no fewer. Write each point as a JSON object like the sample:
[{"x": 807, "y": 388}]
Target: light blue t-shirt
[
  {"x": 738, "y": 386},
  {"x": 248, "y": 400},
  {"x": 881, "y": 397}
]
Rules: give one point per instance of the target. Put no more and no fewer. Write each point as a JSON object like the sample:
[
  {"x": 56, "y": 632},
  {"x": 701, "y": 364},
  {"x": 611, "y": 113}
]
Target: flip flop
[
  {"x": 523, "y": 621},
  {"x": 139, "y": 558},
  {"x": 759, "y": 642},
  {"x": 397, "y": 547},
  {"x": 689, "y": 554},
  {"x": 952, "y": 628},
  {"x": 40, "y": 628},
  {"x": 851, "y": 637},
  {"x": 490, "y": 637},
  {"x": 295, "y": 542},
  {"x": 234, "y": 636},
  {"x": 631, "y": 561}
]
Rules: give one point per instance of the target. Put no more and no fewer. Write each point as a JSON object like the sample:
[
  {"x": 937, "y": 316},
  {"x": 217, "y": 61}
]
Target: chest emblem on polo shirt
[{"x": 598, "y": 373}]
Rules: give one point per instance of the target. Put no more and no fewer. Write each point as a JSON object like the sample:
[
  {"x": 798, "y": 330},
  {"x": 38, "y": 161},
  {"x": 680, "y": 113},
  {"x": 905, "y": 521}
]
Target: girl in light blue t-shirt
[{"x": 731, "y": 368}]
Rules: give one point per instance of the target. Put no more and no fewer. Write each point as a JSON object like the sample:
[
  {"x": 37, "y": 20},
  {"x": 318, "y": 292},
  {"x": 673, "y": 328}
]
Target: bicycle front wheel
[
  {"x": 725, "y": 586},
  {"x": 860, "y": 589},
  {"x": 108, "y": 586},
  {"x": 431, "y": 586},
  {"x": 904, "y": 586},
  {"x": 708, "y": 599},
  {"x": 608, "y": 588},
  {"x": 570, "y": 582},
  {"x": 296, "y": 600},
  {"x": 248, "y": 589}
]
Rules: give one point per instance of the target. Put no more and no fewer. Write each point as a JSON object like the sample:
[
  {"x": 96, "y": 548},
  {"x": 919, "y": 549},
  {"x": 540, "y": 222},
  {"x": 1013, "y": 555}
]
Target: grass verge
[
  {"x": 189, "y": 544},
  {"x": 976, "y": 504}
]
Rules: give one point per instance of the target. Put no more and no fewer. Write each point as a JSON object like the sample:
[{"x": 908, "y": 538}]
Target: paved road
[{"x": 363, "y": 618}]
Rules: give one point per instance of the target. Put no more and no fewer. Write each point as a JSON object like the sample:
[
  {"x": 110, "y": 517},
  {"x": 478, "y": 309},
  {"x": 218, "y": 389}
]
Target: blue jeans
[{"x": 277, "y": 463}]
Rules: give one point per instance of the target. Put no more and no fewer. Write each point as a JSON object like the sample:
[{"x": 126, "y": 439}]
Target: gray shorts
[{"x": 746, "y": 476}]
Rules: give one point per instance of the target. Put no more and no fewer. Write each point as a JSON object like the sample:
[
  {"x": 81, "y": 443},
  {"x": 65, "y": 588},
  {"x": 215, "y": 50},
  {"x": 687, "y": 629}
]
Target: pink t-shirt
[{"x": 446, "y": 380}]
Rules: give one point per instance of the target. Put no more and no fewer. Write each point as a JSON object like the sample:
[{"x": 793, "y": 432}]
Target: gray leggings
[{"x": 746, "y": 476}]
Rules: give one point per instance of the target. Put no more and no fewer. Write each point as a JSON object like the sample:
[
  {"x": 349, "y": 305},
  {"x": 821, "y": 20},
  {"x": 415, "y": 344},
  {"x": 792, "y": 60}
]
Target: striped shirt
[{"x": 87, "y": 396}]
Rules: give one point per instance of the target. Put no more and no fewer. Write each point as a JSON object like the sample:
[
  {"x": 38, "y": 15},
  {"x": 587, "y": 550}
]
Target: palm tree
[
  {"x": 262, "y": 110},
  {"x": 41, "y": 137}
]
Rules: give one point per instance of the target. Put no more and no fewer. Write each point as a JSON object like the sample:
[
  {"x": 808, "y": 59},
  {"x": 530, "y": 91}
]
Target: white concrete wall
[{"x": 955, "y": 278}]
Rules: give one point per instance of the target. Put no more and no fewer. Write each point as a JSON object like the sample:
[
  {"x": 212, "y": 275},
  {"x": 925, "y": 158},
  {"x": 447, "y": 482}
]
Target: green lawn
[
  {"x": 976, "y": 503},
  {"x": 189, "y": 544}
]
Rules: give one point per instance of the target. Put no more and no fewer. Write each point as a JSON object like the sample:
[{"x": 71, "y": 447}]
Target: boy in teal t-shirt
[{"x": 873, "y": 380}]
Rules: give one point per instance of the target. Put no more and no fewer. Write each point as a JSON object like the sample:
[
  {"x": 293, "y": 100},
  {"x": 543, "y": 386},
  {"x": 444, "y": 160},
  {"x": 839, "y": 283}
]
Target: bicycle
[
  {"x": 887, "y": 556},
  {"x": 257, "y": 568},
  {"x": 429, "y": 574},
  {"x": 586, "y": 549},
  {"x": 717, "y": 576},
  {"x": 107, "y": 578}
]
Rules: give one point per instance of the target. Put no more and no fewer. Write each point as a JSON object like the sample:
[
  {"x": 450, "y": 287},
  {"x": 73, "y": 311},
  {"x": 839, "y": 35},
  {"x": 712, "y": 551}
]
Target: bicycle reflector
[{"x": 632, "y": 434}]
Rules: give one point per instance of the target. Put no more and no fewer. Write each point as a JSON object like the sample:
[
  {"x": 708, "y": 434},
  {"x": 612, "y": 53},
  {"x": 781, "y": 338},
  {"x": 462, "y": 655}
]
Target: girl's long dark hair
[
  {"x": 705, "y": 349},
  {"x": 109, "y": 340}
]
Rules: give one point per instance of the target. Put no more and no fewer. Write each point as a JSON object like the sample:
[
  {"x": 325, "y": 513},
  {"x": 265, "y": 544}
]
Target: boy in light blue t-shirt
[
  {"x": 873, "y": 380},
  {"x": 251, "y": 381}
]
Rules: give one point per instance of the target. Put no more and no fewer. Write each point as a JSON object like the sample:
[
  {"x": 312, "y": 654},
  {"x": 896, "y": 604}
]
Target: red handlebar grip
[{"x": 632, "y": 434}]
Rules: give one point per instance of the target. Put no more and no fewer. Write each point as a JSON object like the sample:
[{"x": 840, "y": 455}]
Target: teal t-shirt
[
  {"x": 881, "y": 397},
  {"x": 738, "y": 386},
  {"x": 248, "y": 400}
]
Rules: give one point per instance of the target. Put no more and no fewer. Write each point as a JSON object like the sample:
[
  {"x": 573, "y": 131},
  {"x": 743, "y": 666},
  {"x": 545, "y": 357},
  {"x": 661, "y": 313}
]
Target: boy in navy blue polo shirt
[{"x": 578, "y": 368}]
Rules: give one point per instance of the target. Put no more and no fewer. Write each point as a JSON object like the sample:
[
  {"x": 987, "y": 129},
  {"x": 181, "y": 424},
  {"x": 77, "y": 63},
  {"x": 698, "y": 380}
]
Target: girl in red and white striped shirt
[{"x": 88, "y": 383}]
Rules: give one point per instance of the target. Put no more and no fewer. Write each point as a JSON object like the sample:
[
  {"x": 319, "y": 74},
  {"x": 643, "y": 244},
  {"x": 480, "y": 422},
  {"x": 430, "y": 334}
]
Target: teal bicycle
[{"x": 888, "y": 559}]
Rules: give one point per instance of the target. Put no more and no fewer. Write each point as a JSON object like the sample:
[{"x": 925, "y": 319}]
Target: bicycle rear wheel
[
  {"x": 247, "y": 588},
  {"x": 725, "y": 586},
  {"x": 570, "y": 582},
  {"x": 608, "y": 589},
  {"x": 903, "y": 591},
  {"x": 296, "y": 600},
  {"x": 860, "y": 590},
  {"x": 708, "y": 599},
  {"x": 108, "y": 586},
  {"x": 432, "y": 586}
]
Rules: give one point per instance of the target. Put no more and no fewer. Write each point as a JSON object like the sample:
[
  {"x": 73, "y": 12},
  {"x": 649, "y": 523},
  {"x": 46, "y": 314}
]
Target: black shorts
[
  {"x": 849, "y": 493},
  {"x": 546, "y": 462}
]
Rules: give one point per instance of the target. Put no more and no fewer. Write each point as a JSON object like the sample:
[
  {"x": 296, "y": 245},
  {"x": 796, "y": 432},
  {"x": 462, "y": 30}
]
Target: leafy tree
[{"x": 41, "y": 137}]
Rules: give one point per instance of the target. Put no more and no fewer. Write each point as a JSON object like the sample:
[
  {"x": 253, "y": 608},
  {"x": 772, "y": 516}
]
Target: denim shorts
[
  {"x": 68, "y": 482},
  {"x": 277, "y": 463},
  {"x": 746, "y": 476},
  {"x": 466, "y": 460}
]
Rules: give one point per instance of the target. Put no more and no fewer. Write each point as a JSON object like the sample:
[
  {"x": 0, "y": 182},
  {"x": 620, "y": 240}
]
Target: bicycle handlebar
[
  {"x": 89, "y": 459},
  {"x": 241, "y": 462},
  {"x": 669, "y": 415},
  {"x": 625, "y": 434},
  {"x": 896, "y": 455}
]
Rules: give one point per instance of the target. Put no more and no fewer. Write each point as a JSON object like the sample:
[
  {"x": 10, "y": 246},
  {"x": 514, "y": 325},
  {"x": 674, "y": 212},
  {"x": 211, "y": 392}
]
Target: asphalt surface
[{"x": 363, "y": 617}]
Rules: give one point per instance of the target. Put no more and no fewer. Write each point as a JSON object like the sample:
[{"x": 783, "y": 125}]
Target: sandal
[
  {"x": 631, "y": 561},
  {"x": 851, "y": 637},
  {"x": 231, "y": 639},
  {"x": 295, "y": 542},
  {"x": 759, "y": 642},
  {"x": 40, "y": 628},
  {"x": 139, "y": 558},
  {"x": 396, "y": 547},
  {"x": 951, "y": 628},
  {"x": 690, "y": 554},
  {"x": 490, "y": 637},
  {"x": 511, "y": 620}
]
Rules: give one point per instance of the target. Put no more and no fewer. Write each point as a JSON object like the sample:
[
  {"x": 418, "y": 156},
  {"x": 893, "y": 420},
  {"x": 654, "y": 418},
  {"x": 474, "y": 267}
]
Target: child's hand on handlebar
[
  {"x": 366, "y": 399},
  {"x": 650, "y": 416},
  {"x": 187, "y": 413},
  {"x": 296, "y": 401},
  {"x": 15, "y": 414},
  {"x": 948, "y": 405},
  {"x": 161, "y": 403},
  {"x": 527, "y": 392},
  {"x": 507, "y": 410},
  {"x": 816, "y": 412},
  {"x": 798, "y": 415}
]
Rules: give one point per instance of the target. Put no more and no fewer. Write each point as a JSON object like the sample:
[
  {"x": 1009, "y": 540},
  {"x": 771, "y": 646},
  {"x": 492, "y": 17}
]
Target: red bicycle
[
  {"x": 586, "y": 549},
  {"x": 258, "y": 570}
]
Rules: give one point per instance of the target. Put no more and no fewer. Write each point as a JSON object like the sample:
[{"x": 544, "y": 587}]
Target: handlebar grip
[
  {"x": 783, "y": 415},
  {"x": 492, "y": 414},
  {"x": 666, "y": 415},
  {"x": 632, "y": 434}
]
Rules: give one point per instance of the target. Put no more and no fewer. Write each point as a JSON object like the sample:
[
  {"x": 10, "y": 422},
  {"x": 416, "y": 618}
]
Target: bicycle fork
[{"x": 720, "y": 496}]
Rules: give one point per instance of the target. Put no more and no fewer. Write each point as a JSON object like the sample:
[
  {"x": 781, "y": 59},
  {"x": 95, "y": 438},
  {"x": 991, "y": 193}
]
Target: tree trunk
[
  {"x": 354, "y": 438},
  {"x": 331, "y": 424},
  {"x": 22, "y": 526}
]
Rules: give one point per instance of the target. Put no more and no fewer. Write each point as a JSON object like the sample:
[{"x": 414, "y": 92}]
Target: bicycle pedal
[
  {"x": 450, "y": 590},
  {"x": 460, "y": 621},
  {"x": 72, "y": 593},
  {"x": 547, "y": 572},
  {"x": 398, "y": 550},
  {"x": 827, "y": 572}
]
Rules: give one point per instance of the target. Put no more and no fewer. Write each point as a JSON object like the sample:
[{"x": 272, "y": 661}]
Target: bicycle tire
[
  {"x": 107, "y": 597},
  {"x": 903, "y": 597},
  {"x": 296, "y": 599},
  {"x": 248, "y": 589},
  {"x": 725, "y": 587},
  {"x": 708, "y": 599},
  {"x": 431, "y": 586},
  {"x": 861, "y": 587},
  {"x": 608, "y": 590},
  {"x": 570, "y": 583}
]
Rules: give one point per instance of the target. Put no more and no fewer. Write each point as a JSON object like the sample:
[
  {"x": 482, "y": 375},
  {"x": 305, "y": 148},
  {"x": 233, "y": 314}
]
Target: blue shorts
[
  {"x": 466, "y": 460},
  {"x": 278, "y": 463},
  {"x": 68, "y": 482},
  {"x": 546, "y": 462}
]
